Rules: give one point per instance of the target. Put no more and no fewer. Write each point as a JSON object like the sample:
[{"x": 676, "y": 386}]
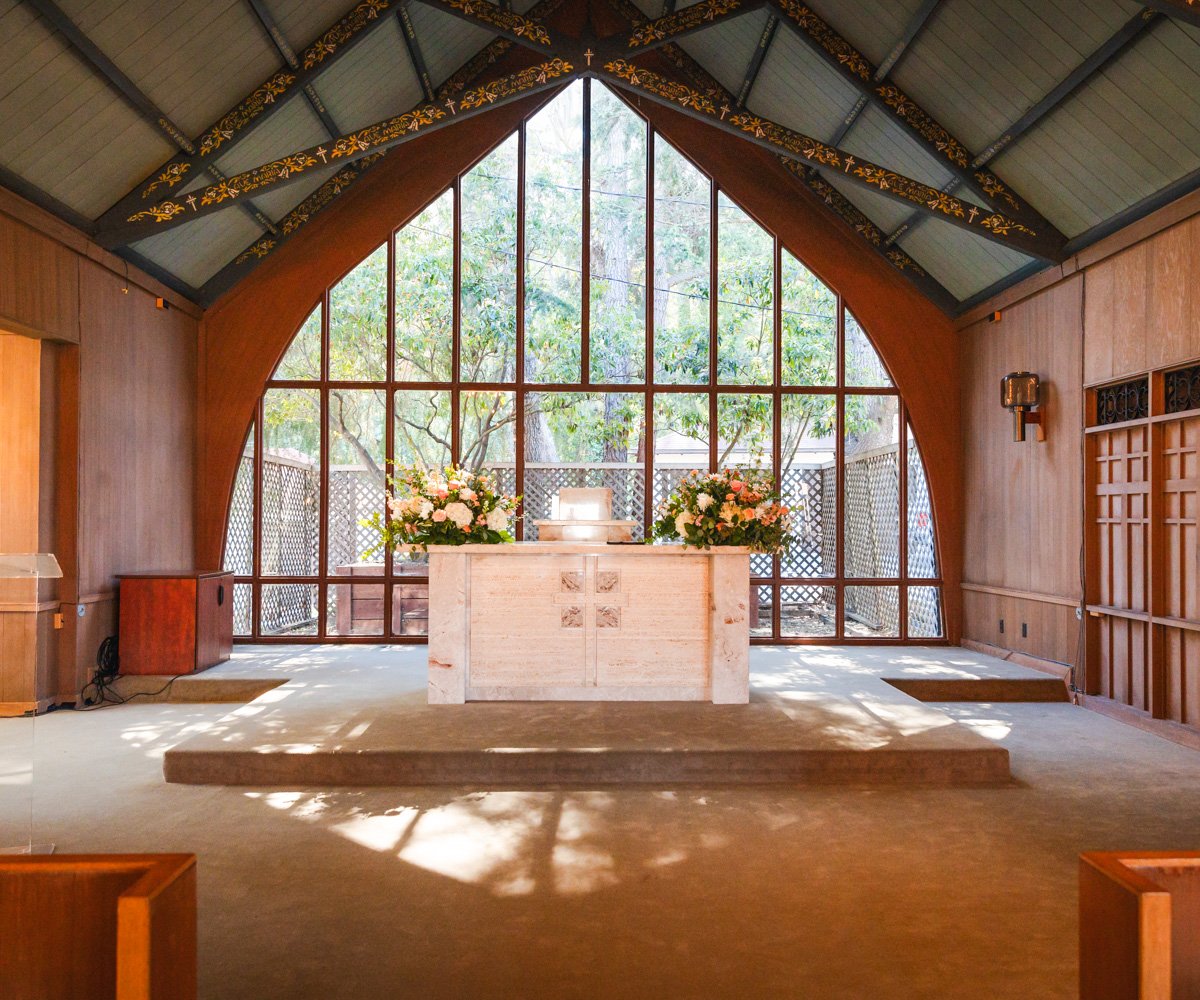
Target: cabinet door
[{"x": 214, "y": 620}]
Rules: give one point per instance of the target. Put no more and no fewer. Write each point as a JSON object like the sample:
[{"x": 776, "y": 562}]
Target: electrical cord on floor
[{"x": 101, "y": 684}]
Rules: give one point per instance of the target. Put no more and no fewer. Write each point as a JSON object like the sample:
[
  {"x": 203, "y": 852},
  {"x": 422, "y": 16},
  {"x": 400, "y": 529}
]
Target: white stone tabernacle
[{"x": 588, "y": 622}]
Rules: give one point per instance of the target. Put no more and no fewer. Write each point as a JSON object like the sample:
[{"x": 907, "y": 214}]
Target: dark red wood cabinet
[{"x": 175, "y": 623}]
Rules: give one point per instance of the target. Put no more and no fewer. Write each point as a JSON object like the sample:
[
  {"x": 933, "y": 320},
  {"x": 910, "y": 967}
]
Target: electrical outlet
[
  {"x": 1024, "y": 630},
  {"x": 1002, "y": 626}
]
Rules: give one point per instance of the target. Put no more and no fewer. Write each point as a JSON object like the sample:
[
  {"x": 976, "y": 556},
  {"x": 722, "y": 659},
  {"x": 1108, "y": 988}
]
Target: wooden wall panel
[
  {"x": 1023, "y": 526},
  {"x": 1143, "y": 306},
  {"x": 39, "y": 284},
  {"x": 136, "y": 433}
]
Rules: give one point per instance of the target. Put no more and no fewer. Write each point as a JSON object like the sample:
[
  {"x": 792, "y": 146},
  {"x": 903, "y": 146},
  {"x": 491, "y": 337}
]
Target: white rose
[
  {"x": 497, "y": 519},
  {"x": 704, "y": 501},
  {"x": 458, "y": 513},
  {"x": 426, "y": 509},
  {"x": 681, "y": 521}
]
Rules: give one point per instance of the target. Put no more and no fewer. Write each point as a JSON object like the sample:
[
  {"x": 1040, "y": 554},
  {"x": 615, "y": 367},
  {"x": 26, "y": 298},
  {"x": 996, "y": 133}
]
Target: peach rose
[{"x": 439, "y": 516}]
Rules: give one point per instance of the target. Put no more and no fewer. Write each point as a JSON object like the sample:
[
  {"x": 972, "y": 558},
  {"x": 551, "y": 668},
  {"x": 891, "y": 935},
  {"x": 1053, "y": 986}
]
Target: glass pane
[
  {"x": 554, "y": 238},
  {"x": 489, "y": 268},
  {"x": 922, "y": 546},
  {"x": 744, "y": 430},
  {"x": 682, "y": 235},
  {"x": 303, "y": 357},
  {"x": 488, "y": 435},
  {"x": 807, "y": 612},
  {"x": 425, "y": 294},
  {"x": 422, "y": 432},
  {"x": 745, "y": 298},
  {"x": 762, "y": 612},
  {"x": 618, "y": 230},
  {"x": 873, "y": 612},
  {"x": 243, "y": 608},
  {"x": 863, "y": 364},
  {"x": 239, "y": 531},
  {"x": 925, "y": 613},
  {"x": 809, "y": 326},
  {"x": 356, "y": 427},
  {"x": 680, "y": 439},
  {"x": 410, "y": 602},
  {"x": 871, "y": 530},
  {"x": 358, "y": 322},
  {"x": 584, "y": 439},
  {"x": 291, "y": 482},
  {"x": 809, "y": 484},
  {"x": 288, "y": 609},
  {"x": 354, "y": 609}
]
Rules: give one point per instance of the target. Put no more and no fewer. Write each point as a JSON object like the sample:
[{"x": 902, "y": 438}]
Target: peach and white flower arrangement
[
  {"x": 450, "y": 506},
  {"x": 733, "y": 507}
]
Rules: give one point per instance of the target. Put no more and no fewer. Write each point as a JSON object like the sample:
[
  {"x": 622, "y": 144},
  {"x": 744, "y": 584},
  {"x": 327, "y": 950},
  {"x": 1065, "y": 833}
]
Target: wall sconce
[{"x": 1021, "y": 392}]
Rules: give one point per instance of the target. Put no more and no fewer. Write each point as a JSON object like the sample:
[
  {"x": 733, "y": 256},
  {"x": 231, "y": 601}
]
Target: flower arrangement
[
  {"x": 733, "y": 507},
  {"x": 450, "y": 506}
]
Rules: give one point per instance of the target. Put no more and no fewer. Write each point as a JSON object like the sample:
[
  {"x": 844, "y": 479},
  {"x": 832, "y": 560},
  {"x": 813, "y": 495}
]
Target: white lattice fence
[
  {"x": 542, "y": 483},
  {"x": 355, "y": 493}
]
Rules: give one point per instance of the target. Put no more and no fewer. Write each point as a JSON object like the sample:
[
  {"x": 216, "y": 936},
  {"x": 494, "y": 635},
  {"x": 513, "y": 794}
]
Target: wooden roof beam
[
  {"x": 1187, "y": 11},
  {"x": 675, "y": 25},
  {"x": 415, "y": 56},
  {"x": 673, "y": 93},
  {"x": 757, "y": 58},
  {"x": 255, "y": 109},
  {"x": 420, "y": 120},
  {"x": 857, "y": 70},
  {"x": 499, "y": 21}
]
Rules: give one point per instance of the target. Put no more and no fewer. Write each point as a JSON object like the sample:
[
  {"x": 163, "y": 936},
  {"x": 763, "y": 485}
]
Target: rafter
[
  {"x": 288, "y": 54},
  {"x": 420, "y": 120},
  {"x": 1184, "y": 10},
  {"x": 678, "y": 24},
  {"x": 794, "y": 145},
  {"x": 255, "y": 109},
  {"x": 505, "y": 23},
  {"x": 757, "y": 58},
  {"x": 415, "y": 56},
  {"x": 1110, "y": 49},
  {"x": 916, "y": 25},
  {"x": 857, "y": 70}
]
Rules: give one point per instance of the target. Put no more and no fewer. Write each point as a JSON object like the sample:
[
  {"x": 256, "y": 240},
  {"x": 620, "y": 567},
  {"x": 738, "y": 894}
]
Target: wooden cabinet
[{"x": 175, "y": 623}]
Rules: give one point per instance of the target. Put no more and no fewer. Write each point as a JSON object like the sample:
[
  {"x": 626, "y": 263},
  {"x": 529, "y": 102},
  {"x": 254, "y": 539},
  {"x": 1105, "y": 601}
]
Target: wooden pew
[
  {"x": 1139, "y": 925},
  {"x": 120, "y": 926}
]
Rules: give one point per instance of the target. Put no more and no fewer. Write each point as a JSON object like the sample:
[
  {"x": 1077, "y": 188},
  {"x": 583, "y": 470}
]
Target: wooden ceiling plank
[
  {"x": 265, "y": 100},
  {"x": 420, "y": 120}
]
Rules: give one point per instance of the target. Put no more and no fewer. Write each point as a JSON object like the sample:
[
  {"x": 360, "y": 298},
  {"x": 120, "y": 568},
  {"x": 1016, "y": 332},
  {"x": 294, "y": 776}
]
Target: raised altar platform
[{"x": 816, "y": 716}]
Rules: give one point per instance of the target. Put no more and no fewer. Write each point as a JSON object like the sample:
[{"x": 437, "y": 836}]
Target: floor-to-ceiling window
[{"x": 582, "y": 307}]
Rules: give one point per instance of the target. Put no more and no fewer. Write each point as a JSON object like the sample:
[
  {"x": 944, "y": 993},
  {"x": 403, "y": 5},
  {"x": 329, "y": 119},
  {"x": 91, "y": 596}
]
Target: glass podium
[{"x": 21, "y": 575}]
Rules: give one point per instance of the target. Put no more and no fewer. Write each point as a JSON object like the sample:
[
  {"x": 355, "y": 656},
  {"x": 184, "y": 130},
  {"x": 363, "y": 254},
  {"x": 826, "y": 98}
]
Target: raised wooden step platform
[{"x": 363, "y": 720}]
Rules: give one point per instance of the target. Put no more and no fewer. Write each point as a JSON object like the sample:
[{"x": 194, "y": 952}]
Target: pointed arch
[{"x": 747, "y": 358}]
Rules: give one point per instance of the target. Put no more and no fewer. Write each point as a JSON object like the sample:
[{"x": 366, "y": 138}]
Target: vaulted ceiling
[{"x": 968, "y": 142}]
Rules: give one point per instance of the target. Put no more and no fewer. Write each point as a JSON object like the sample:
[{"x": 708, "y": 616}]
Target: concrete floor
[{"x": 823, "y": 893}]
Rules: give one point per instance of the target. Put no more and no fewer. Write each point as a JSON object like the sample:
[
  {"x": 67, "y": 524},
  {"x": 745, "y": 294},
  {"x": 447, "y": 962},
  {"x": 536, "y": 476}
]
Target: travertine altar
[{"x": 588, "y": 622}]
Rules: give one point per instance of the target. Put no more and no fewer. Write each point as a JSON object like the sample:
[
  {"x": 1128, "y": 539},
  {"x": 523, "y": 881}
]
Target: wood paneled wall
[
  {"x": 1127, "y": 308},
  {"x": 110, "y": 487}
]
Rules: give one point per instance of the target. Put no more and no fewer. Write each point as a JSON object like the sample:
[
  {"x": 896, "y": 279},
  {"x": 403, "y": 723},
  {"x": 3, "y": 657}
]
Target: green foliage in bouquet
[
  {"x": 450, "y": 506},
  {"x": 733, "y": 507}
]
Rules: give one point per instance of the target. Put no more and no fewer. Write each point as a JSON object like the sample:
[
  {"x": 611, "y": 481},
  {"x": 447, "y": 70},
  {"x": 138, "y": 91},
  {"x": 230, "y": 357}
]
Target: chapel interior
[{"x": 600, "y": 499}]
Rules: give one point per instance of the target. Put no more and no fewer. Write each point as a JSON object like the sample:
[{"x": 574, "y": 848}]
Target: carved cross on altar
[{"x": 594, "y": 607}]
